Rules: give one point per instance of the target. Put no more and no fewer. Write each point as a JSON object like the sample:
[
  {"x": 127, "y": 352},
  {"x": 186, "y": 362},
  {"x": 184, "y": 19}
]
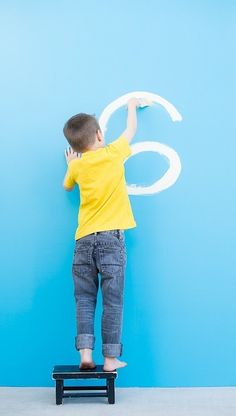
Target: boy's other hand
[{"x": 70, "y": 155}]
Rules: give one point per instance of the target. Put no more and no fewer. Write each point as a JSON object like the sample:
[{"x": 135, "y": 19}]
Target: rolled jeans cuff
[
  {"x": 112, "y": 350},
  {"x": 85, "y": 341}
]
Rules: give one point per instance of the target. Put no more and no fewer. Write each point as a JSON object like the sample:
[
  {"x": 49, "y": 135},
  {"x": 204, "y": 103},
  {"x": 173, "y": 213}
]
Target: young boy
[{"x": 105, "y": 212}]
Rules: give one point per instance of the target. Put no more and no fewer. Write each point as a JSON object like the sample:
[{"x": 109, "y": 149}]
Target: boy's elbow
[
  {"x": 129, "y": 133},
  {"x": 67, "y": 188}
]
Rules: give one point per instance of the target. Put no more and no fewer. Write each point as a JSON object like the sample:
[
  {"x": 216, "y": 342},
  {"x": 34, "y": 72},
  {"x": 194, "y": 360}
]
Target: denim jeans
[{"x": 102, "y": 252}]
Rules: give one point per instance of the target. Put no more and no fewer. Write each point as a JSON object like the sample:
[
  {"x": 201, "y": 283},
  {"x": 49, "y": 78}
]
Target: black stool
[{"x": 63, "y": 372}]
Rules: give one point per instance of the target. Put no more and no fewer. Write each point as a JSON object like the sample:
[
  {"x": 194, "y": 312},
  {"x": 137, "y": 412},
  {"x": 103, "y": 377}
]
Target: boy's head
[{"x": 83, "y": 133}]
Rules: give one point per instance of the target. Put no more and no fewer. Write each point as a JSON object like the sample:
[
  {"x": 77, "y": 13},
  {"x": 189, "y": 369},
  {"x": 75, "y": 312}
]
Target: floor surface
[{"x": 190, "y": 401}]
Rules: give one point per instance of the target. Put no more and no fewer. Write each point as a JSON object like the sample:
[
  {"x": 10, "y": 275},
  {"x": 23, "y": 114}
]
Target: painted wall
[{"x": 63, "y": 57}]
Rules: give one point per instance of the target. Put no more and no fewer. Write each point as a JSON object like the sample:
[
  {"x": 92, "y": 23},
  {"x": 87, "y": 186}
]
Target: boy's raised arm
[
  {"x": 132, "y": 105},
  {"x": 131, "y": 128}
]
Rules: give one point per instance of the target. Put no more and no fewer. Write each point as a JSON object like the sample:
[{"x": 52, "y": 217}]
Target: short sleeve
[
  {"x": 120, "y": 147},
  {"x": 69, "y": 179}
]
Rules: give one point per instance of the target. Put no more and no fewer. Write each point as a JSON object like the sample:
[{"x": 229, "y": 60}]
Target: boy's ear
[{"x": 99, "y": 135}]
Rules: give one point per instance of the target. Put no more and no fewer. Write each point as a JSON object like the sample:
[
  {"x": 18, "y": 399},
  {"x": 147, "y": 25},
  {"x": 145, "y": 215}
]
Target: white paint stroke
[
  {"x": 170, "y": 176},
  {"x": 173, "y": 172}
]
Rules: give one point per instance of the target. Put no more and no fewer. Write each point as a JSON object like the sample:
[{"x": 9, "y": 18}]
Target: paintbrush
[{"x": 145, "y": 102}]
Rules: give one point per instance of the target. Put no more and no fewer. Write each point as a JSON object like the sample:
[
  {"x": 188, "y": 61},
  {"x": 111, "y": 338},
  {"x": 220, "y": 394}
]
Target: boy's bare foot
[
  {"x": 87, "y": 362},
  {"x": 112, "y": 363},
  {"x": 87, "y": 365}
]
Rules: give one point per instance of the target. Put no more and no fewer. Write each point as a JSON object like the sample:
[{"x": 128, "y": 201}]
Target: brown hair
[{"x": 80, "y": 131}]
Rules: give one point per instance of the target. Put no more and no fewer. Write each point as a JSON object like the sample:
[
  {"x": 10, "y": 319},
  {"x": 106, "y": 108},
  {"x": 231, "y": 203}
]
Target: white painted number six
[{"x": 173, "y": 172}]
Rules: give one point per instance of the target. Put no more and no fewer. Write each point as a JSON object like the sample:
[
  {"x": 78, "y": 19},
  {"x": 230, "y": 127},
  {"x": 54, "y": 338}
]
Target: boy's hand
[
  {"x": 133, "y": 102},
  {"x": 145, "y": 102},
  {"x": 139, "y": 102},
  {"x": 70, "y": 155}
]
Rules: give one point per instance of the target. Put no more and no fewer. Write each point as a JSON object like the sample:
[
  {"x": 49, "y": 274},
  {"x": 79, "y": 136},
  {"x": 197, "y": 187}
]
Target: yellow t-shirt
[{"x": 104, "y": 200}]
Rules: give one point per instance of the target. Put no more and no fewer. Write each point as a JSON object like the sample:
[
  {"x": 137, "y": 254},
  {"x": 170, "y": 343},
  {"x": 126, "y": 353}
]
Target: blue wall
[{"x": 63, "y": 57}]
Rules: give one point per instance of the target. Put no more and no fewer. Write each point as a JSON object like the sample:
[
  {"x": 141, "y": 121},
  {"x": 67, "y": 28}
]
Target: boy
[{"x": 104, "y": 213}]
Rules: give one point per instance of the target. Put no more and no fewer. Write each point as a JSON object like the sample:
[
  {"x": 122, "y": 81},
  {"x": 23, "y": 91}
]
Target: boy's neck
[{"x": 93, "y": 150}]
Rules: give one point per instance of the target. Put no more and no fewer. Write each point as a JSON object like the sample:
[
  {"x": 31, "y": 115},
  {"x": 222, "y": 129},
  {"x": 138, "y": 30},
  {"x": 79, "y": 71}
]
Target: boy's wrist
[
  {"x": 133, "y": 103},
  {"x": 131, "y": 106}
]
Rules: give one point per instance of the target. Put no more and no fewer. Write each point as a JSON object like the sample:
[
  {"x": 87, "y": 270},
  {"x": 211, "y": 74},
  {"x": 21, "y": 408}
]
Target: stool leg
[
  {"x": 59, "y": 391},
  {"x": 111, "y": 390}
]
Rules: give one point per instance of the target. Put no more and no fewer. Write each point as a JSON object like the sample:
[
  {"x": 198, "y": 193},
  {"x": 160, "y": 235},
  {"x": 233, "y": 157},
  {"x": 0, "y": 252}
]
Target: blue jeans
[{"x": 101, "y": 252}]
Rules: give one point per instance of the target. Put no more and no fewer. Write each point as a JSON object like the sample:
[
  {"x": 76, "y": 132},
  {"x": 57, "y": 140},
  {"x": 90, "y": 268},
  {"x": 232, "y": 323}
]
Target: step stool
[{"x": 64, "y": 372}]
